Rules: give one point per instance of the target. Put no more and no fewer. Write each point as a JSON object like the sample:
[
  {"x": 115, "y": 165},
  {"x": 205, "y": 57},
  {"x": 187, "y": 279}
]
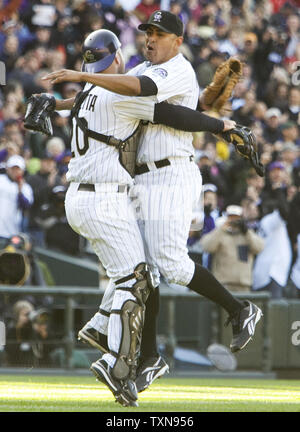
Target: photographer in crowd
[
  {"x": 233, "y": 247},
  {"x": 27, "y": 337},
  {"x": 20, "y": 266}
]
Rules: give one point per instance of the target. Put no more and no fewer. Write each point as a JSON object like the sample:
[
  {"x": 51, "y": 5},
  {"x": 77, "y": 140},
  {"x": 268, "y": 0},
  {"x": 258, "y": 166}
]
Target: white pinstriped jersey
[
  {"x": 109, "y": 114},
  {"x": 177, "y": 84}
]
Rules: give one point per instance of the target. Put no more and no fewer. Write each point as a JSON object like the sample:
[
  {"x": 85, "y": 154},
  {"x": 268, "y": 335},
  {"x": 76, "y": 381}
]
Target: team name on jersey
[{"x": 90, "y": 102}]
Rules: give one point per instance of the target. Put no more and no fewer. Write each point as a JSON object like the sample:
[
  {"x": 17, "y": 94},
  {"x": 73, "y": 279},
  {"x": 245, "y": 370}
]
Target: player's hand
[
  {"x": 228, "y": 125},
  {"x": 63, "y": 75},
  {"x": 20, "y": 181}
]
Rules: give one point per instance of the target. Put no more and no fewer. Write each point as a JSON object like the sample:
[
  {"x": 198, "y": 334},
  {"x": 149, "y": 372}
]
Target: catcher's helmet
[{"x": 99, "y": 50}]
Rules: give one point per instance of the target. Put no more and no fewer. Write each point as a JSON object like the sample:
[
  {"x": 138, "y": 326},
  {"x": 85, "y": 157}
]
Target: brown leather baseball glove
[{"x": 217, "y": 93}]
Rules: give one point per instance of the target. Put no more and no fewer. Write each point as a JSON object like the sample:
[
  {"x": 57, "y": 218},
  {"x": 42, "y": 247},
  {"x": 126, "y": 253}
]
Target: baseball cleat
[
  {"x": 149, "y": 370},
  {"x": 243, "y": 325},
  {"x": 125, "y": 392},
  {"x": 92, "y": 337}
]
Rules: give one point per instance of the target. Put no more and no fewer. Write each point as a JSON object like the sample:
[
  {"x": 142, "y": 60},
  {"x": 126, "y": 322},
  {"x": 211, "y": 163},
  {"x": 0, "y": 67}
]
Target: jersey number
[{"x": 82, "y": 151}]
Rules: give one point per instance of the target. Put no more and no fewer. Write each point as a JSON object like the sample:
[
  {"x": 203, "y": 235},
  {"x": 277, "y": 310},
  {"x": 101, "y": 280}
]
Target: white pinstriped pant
[
  {"x": 107, "y": 219},
  {"x": 166, "y": 215}
]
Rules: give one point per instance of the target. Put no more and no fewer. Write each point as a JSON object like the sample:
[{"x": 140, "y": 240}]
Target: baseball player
[{"x": 165, "y": 168}]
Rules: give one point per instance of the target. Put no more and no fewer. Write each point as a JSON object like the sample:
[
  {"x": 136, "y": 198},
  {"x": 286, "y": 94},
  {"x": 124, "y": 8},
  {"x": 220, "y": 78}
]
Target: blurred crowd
[{"x": 256, "y": 219}]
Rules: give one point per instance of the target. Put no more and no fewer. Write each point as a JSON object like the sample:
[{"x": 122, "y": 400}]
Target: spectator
[
  {"x": 249, "y": 48},
  {"x": 146, "y": 8},
  {"x": 13, "y": 133},
  {"x": 245, "y": 114},
  {"x": 61, "y": 126},
  {"x": 138, "y": 56},
  {"x": 212, "y": 170},
  {"x": 295, "y": 273},
  {"x": 51, "y": 218},
  {"x": 41, "y": 13},
  {"x": 233, "y": 247},
  {"x": 290, "y": 133},
  {"x": 289, "y": 155},
  {"x": 25, "y": 71},
  {"x": 16, "y": 197},
  {"x": 251, "y": 212},
  {"x": 294, "y": 233},
  {"x": 268, "y": 53},
  {"x": 28, "y": 337},
  {"x": 292, "y": 27},
  {"x": 271, "y": 131},
  {"x": 211, "y": 213},
  {"x": 278, "y": 95},
  {"x": 272, "y": 265},
  {"x": 232, "y": 44},
  {"x": 206, "y": 70},
  {"x": 293, "y": 109},
  {"x": 10, "y": 52},
  {"x": 42, "y": 38},
  {"x": 42, "y": 184},
  {"x": 55, "y": 147},
  {"x": 42, "y": 86},
  {"x": 82, "y": 18},
  {"x": 259, "y": 113},
  {"x": 8, "y": 148},
  {"x": 252, "y": 188},
  {"x": 13, "y": 108},
  {"x": 8, "y": 9}
]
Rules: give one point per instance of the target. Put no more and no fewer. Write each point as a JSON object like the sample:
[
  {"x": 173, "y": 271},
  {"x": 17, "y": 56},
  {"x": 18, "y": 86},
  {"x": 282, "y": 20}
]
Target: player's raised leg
[{"x": 166, "y": 231}]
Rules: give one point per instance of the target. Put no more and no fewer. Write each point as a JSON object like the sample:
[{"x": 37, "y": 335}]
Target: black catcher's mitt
[
  {"x": 245, "y": 144},
  {"x": 38, "y": 111}
]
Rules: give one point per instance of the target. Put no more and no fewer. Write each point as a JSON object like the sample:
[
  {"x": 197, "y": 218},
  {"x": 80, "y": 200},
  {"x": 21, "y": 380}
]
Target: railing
[{"x": 168, "y": 294}]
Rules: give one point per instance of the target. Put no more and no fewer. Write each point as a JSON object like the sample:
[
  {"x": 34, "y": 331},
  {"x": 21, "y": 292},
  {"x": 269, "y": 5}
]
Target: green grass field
[{"x": 84, "y": 394}]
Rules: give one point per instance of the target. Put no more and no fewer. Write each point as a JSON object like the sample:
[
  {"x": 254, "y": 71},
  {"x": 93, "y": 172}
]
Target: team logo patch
[
  {"x": 161, "y": 72},
  {"x": 157, "y": 17}
]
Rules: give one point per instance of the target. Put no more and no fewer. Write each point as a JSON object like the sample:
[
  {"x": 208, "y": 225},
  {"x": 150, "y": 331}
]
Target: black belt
[
  {"x": 91, "y": 187},
  {"x": 142, "y": 169}
]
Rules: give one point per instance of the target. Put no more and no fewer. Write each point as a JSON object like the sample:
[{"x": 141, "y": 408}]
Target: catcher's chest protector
[{"x": 127, "y": 148}]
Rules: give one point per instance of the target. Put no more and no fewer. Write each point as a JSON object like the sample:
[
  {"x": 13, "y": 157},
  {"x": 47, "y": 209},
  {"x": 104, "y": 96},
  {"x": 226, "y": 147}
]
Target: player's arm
[
  {"x": 127, "y": 85},
  {"x": 188, "y": 120},
  {"x": 175, "y": 116},
  {"x": 64, "y": 104}
]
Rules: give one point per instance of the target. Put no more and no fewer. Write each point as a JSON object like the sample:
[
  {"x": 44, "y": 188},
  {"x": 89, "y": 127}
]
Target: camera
[
  {"x": 240, "y": 224},
  {"x": 39, "y": 316},
  {"x": 15, "y": 266}
]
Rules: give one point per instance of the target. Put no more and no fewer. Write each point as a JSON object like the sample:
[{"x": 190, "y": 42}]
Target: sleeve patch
[{"x": 161, "y": 72}]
